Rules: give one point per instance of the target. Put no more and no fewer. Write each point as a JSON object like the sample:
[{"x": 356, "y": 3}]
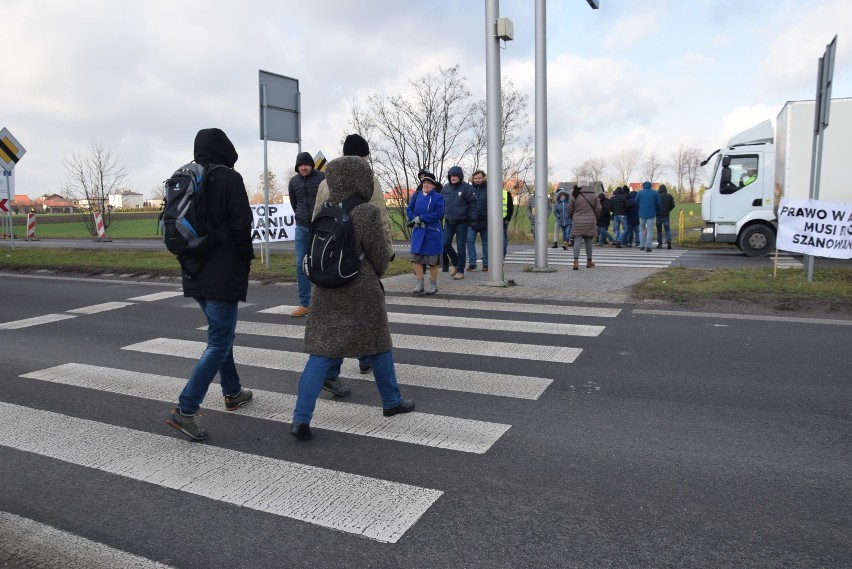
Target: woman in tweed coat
[{"x": 351, "y": 321}]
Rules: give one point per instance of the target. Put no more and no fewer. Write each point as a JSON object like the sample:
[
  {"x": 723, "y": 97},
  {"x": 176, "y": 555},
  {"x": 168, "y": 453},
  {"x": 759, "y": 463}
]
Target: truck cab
[{"x": 738, "y": 205}]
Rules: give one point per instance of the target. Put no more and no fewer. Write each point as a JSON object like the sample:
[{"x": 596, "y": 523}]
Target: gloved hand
[
  {"x": 393, "y": 256},
  {"x": 416, "y": 219}
]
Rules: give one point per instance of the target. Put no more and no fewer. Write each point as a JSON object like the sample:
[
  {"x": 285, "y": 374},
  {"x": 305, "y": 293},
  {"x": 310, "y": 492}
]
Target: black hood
[
  {"x": 212, "y": 146},
  {"x": 304, "y": 158}
]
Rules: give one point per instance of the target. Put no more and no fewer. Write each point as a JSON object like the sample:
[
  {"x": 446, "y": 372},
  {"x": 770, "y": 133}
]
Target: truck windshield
[{"x": 715, "y": 169}]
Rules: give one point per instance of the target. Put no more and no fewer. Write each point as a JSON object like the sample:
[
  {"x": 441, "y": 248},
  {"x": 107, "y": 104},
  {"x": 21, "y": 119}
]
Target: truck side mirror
[
  {"x": 725, "y": 185},
  {"x": 726, "y": 161}
]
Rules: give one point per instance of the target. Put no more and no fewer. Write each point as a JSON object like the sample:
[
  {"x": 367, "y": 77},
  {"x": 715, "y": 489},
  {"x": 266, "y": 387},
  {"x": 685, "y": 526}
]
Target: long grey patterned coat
[{"x": 351, "y": 321}]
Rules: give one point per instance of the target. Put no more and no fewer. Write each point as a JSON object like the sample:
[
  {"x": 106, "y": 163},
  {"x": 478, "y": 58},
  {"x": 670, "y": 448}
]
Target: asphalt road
[{"x": 668, "y": 442}]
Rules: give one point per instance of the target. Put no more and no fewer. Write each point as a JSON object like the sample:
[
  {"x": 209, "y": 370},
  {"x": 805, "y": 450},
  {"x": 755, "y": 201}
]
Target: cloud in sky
[{"x": 143, "y": 77}]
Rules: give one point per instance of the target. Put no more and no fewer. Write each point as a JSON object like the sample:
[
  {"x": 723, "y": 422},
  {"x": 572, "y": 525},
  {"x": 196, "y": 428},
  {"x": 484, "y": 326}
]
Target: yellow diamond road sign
[{"x": 10, "y": 150}]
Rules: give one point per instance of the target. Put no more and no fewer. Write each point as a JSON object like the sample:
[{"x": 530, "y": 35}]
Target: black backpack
[
  {"x": 183, "y": 221},
  {"x": 332, "y": 260}
]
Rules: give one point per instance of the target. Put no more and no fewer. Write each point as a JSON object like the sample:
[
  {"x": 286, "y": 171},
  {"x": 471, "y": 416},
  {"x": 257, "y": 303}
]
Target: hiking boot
[
  {"x": 301, "y": 431},
  {"x": 301, "y": 311},
  {"x": 458, "y": 276},
  {"x": 404, "y": 406},
  {"x": 336, "y": 387},
  {"x": 471, "y": 267},
  {"x": 234, "y": 402},
  {"x": 366, "y": 368},
  {"x": 576, "y": 264},
  {"x": 589, "y": 264},
  {"x": 187, "y": 424}
]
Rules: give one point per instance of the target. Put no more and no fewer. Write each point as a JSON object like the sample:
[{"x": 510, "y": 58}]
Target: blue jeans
[
  {"x": 631, "y": 235},
  {"x": 663, "y": 222},
  {"x": 316, "y": 370},
  {"x": 566, "y": 231},
  {"x": 303, "y": 241},
  {"x": 471, "y": 245},
  {"x": 218, "y": 357},
  {"x": 505, "y": 238},
  {"x": 459, "y": 230},
  {"x": 603, "y": 235},
  {"x": 334, "y": 371},
  {"x": 619, "y": 226},
  {"x": 647, "y": 225}
]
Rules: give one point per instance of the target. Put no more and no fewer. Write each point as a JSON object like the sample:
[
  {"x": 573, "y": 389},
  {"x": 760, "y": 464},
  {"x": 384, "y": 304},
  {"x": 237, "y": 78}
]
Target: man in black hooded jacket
[
  {"x": 303, "y": 189},
  {"x": 219, "y": 282}
]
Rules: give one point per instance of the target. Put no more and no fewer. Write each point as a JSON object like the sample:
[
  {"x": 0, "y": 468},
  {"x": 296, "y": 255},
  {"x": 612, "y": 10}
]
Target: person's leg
[
  {"x": 484, "y": 234},
  {"x": 418, "y": 278},
  {"x": 659, "y": 233},
  {"x": 385, "y": 376},
  {"x": 667, "y": 227},
  {"x": 588, "y": 241},
  {"x": 461, "y": 240},
  {"x": 221, "y": 324},
  {"x": 505, "y": 238},
  {"x": 449, "y": 233},
  {"x": 577, "y": 242},
  {"x": 310, "y": 384},
  {"x": 303, "y": 236},
  {"x": 649, "y": 236},
  {"x": 471, "y": 246}
]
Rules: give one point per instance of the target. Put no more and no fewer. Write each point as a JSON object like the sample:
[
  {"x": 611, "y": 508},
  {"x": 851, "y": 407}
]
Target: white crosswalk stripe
[
  {"x": 787, "y": 261},
  {"x": 361, "y": 505},
  {"x": 417, "y": 428},
  {"x": 603, "y": 257},
  {"x": 369, "y": 507},
  {"x": 449, "y": 379}
]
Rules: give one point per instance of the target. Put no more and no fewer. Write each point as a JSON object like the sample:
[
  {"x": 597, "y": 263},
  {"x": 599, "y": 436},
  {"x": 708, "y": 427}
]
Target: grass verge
[
  {"x": 282, "y": 267},
  {"x": 830, "y": 290}
]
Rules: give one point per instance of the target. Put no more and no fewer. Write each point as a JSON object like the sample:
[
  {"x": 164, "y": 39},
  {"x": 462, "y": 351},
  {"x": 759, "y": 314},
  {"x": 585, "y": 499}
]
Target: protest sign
[
  {"x": 817, "y": 228},
  {"x": 282, "y": 223}
]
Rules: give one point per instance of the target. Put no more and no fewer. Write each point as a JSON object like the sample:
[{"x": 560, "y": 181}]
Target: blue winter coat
[
  {"x": 648, "y": 202},
  {"x": 560, "y": 209},
  {"x": 429, "y": 207}
]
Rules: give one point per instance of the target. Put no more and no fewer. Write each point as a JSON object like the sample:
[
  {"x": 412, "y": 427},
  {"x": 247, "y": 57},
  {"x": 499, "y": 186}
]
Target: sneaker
[
  {"x": 365, "y": 368},
  {"x": 471, "y": 267},
  {"x": 336, "y": 387},
  {"x": 404, "y": 406},
  {"x": 301, "y": 311},
  {"x": 234, "y": 402},
  {"x": 458, "y": 276},
  {"x": 187, "y": 424},
  {"x": 453, "y": 271}
]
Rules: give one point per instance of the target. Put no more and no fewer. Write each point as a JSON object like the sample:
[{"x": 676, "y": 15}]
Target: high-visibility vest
[{"x": 505, "y": 203}]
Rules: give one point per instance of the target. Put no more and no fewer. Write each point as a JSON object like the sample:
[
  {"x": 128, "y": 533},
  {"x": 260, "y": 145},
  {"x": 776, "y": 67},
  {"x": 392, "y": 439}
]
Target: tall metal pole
[
  {"x": 542, "y": 211},
  {"x": 265, "y": 176},
  {"x": 8, "y": 176},
  {"x": 493, "y": 117}
]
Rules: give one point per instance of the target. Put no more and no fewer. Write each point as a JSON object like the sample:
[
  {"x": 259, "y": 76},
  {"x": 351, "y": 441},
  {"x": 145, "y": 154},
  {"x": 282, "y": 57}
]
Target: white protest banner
[
  {"x": 818, "y": 228},
  {"x": 282, "y": 223}
]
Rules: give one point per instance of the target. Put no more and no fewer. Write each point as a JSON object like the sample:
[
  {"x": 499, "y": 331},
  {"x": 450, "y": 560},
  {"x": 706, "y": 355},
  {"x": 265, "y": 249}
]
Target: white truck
[{"x": 758, "y": 167}]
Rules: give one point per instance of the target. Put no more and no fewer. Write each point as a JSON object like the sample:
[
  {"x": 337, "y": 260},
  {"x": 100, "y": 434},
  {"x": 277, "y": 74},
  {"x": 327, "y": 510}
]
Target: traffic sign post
[{"x": 11, "y": 152}]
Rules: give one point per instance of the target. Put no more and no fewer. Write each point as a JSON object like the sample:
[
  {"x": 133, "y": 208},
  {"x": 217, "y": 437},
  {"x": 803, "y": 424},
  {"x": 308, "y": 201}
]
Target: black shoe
[
  {"x": 405, "y": 406},
  {"x": 659, "y": 245},
  {"x": 553, "y": 246},
  {"x": 336, "y": 387},
  {"x": 301, "y": 431},
  {"x": 445, "y": 269},
  {"x": 669, "y": 244},
  {"x": 366, "y": 368}
]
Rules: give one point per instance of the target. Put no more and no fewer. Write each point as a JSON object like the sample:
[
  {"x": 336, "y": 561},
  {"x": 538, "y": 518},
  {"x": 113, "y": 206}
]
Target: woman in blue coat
[{"x": 425, "y": 211}]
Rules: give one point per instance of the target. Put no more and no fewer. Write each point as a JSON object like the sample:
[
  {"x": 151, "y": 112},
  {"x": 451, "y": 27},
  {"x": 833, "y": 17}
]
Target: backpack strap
[{"x": 351, "y": 202}]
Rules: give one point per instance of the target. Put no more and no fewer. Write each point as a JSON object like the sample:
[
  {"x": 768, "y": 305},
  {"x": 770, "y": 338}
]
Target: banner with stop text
[
  {"x": 282, "y": 223},
  {"x": 817, "y": 228}
]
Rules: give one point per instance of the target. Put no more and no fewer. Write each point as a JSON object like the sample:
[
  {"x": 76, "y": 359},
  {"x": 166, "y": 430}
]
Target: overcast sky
[{"x": 143, "y": 77}]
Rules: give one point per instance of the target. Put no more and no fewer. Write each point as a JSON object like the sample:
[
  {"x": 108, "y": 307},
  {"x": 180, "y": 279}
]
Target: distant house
[
  {"x": 125, "y": 199},
  {"x": 53, "y": 203},
  {"x": 398, "y": 196},
  {"x": 22, "y": 204}
]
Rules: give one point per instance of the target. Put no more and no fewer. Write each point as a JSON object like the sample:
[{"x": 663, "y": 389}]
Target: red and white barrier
[
  {"x": 99, "y": 224},
  {"x": 31, "y": 222}
]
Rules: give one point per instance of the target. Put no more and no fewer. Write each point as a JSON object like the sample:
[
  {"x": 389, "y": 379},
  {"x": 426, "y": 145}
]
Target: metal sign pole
[
  {"x": 8, "y": 175},
  {"x": 265, "y": 176}
]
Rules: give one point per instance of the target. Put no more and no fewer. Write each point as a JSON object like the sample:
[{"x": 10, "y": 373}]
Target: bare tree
[
  {"x": 678, "y": 165},
  {"x": 92, "y": 175},
  {"x": 591, "y": 170},
  {"x": 653, "y": 167},
  {"x": 623, "y": 163},
  {"x": 693, "y": 164},
  {"x": 276, "y": 192}
]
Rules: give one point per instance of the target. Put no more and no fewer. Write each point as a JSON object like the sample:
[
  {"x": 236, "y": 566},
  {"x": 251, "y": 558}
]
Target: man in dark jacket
[
  {"x": 460, "y": 210},
  {"x": 480, "y": 224},
  {"x": 603, "y": 220},
  {"x": 667, "y": 204},
  {"x": 618, "y": 207},
  {"x": 303, "y": 194},
  {"x": 220, "y": 281}
]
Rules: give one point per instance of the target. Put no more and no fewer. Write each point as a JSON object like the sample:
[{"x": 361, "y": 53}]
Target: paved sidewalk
[{"x": 598, "y": 284}]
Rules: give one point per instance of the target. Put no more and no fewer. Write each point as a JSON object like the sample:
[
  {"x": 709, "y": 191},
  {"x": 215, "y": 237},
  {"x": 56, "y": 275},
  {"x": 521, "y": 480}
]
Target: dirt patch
[{"x": 764, "y": 305}]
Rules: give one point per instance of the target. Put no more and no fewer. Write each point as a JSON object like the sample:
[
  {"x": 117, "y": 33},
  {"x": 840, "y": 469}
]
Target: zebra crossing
[
  {"x": 371, "y": 507},
  {"x": 603, "y": 257}
]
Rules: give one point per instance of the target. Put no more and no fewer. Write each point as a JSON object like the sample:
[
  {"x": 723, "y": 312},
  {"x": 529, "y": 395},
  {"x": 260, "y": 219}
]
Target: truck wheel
[{"x": 757, "y": 241}]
